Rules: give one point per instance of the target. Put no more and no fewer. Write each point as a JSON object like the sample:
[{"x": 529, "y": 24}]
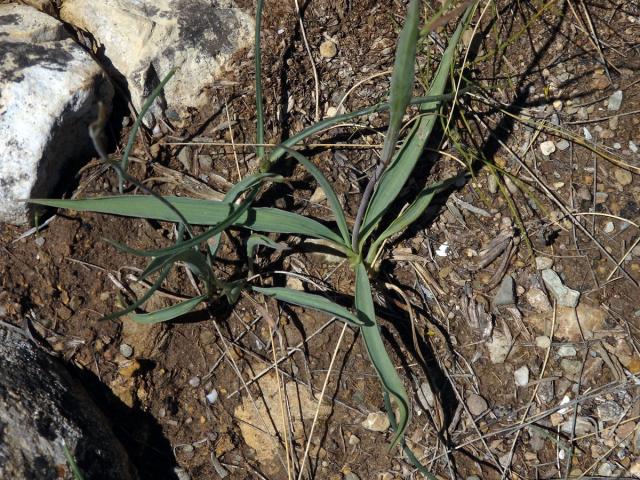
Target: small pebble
[
  {"x": 543, "y": 341},
  {"x": 521, "y": 376},
  {"x": 376, "y": 422},
  {"x": 587, "y": 134},
  {"x": 547, "y": 148},
  {"x": 615, "y": 101},
  {"x": 126, "y": 350},
  {"x": 562, "y": 144},
  {"x": 212, "y": 396},
  {"x": 557, "y": 105},
  {"x": 328, "y": 49},
  {"x": 39, "y": 241},
  {"x": 633, "y": 147},
  {"x": 476, "y": 404},
  {"x": 353, "y": 440},
  {"x": 542, "y": 263},
  {"x": 609, "y": 227},
  {"x": 194, "y": 381},
  {"x": 567, "y": 351}
]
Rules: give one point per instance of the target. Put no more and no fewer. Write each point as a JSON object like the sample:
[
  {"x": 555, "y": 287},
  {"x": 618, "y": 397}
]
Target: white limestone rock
[
  {"x": 49, "y": 90},
  {"x": 145, "y": 39}
]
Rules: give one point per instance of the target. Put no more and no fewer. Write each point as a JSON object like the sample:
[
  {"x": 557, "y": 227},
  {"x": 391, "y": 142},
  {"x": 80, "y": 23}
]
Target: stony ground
[{"x": 509, "y": 309}]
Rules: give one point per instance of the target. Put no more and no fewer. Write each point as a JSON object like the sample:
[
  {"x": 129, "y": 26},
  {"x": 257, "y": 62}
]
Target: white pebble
[
  {"x": 547, "y": 148},
  {"x": 543, "y": 341},
  {"x": 212, "y": 396},
  {"x": 521, "y": 376},
  {"x": 194, "y": 381},
  {"x": 587, "y": 134},
  {"x": 609, "y": 227},
  {"x": 126, "y": 350}
]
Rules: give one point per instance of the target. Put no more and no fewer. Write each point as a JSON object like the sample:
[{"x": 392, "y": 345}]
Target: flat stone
[
  {"x": 565, "y": 296},
  {"x": 547, "y": 148},
  {"x": 125, "y": 350},
  {"x": 50, "y": 89},
  {"x": 476, "y": 404},
  {"x": 567, "y": 351},
  {"x": 506, "y": 292},
  {"x": 571, "y": 369},
  {"x": 542, "y": 263},
  {"x": 144, "y": 39},
  {"x": 538, "y": 300},
  {"x": 542, "y": 341},
  {"x": 571, "y": 324},
  {"x": 615, "y": 101},
  {"x": 609, "y": 411},
  {"x": 562, "y": 144},
  {"x": 623, "y": 177}
]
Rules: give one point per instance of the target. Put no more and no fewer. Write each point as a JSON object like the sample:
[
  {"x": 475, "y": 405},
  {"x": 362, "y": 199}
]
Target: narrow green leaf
[
  {"x": 147, "y": 295},
  {"x": 136, "y": 126},
  {"x": 391, "y": 381},
  {"x": 249, "y": 182},
  {"x": 199, "y": 212},
  {"x": 395, "y": 176},
  {"x": 310, "y": 300},
  {"x": 402, "y": 78},
  {"x": 256, "y": 240},
  {"x": 331, "y": 121},
  {"x": 257, "y": 59},
  {"x": 410, "y": 215},
  {"x": 75, "y": 470},
  {"x": 332, "y": 198},
  {"x": 169, "y": 313}
]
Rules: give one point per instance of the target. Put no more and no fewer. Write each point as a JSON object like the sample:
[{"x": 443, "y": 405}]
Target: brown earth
[{"x": 64, "y": 279}]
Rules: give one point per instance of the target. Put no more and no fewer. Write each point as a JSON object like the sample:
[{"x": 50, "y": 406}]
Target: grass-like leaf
[
  {"x": 136, "y": 126},
  {"x": 199, "y": 212},
  {"x": 396, "y": 175},
  {"x": 408, "y": 216},
  {"x": 391, "y": 381},
  {"x": 255, "y": 240},
  {"x": 257, "y": 59},
  {"x": 169, "y": 313},
  {"x": 332, "y": 198},
  {"x": 402, "y": 78},
  {"x": 310, "y": 300}
]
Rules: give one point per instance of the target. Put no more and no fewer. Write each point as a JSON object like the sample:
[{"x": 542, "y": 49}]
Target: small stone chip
[
  {"x": 547, "y": 148},
  {"x": 328, "y": 49},
  {"x": 376, "y": 422}
]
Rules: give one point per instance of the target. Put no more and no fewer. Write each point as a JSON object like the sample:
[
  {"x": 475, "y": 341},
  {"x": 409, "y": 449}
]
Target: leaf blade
[
  {"x": 310, "y": 300},
  {"x": 389, "y": 378},
  {"x": 169, "y": 313}
]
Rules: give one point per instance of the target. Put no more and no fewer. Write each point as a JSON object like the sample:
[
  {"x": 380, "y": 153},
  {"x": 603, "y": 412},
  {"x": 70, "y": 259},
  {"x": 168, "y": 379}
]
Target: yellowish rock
[{"x": 328, "y": 49}]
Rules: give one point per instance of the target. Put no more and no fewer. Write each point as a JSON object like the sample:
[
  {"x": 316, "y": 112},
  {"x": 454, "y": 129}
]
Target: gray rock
[
  {"x": 542, "y": 263},
  {"x": 609, "y": 411},
  {"x": 615, "y": 101},
  {"x": 562, "y": 144},
  {"x": 506, "y": 292},
  {"x": 145, "y": 39},
  {"x": 567, "y": 351},
  {"x": 565, "y": 296},
  {"x": 571, "y": 369},
  {"x": 126, "y": 350},
  {"x": 42, "y": 409},
  {"x": 49, "y": 92}
]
